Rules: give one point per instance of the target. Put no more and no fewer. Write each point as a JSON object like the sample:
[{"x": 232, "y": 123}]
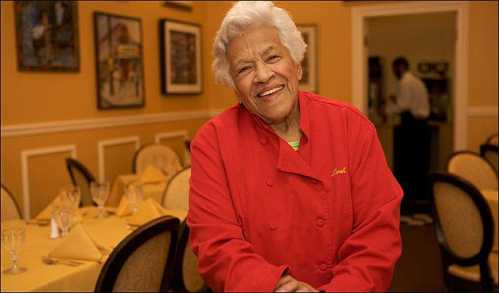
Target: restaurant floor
[{"x": 419, "y": 267}]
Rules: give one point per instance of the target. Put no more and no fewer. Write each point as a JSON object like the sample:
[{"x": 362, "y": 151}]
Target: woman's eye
[
  {"x": 243, "y": 69},
  {"x": 273, "y": 58}
]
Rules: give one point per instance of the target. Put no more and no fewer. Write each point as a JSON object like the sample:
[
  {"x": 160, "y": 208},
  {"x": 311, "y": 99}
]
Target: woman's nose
[{"x": 263, "y": 73}]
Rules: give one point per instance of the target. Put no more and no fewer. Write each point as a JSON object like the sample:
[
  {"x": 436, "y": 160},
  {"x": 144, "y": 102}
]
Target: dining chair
[
  {"x": 472, "y": 167},
  {"x": 493, "y": 139},
  {"x": 158, "y": 155},
  {"x": 491, "y": 153},
  {"x": 81, "y": 177},
  {"x": 186, "y": 277},
  {"x": 143, "y": 261},
  {"x": 10, "y": 208},
  {"x": 465, "y": 230},
  {"x": 176, "y": 195}
]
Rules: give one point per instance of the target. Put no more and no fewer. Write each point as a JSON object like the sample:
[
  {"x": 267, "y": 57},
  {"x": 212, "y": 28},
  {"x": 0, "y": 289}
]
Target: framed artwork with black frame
[
  {"x": 180, "y": 54},
  {"x": 47, "y": 35},
  {"x": 119, "y": 61},
  {"x": 309, "y": 81}
]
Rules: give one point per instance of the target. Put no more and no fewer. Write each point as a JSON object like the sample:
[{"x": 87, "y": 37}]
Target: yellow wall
[
  {"x": 45, "y": 97},
  {"x": 482, "y": 69}
]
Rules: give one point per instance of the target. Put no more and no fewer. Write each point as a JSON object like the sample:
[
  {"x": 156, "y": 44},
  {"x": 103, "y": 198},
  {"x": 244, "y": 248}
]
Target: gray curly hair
[{"x": 239, "y": 18}]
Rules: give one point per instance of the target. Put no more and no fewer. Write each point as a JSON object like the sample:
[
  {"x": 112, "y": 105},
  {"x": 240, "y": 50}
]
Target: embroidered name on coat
[{"x": 339, "y": 171}]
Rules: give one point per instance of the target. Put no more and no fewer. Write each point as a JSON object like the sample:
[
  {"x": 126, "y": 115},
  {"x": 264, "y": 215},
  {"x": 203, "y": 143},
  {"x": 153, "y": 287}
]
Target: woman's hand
[{"x": 290, "y": 284}]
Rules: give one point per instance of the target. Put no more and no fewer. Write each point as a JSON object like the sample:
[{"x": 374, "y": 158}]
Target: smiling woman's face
[{"x": 265, "y": 76}]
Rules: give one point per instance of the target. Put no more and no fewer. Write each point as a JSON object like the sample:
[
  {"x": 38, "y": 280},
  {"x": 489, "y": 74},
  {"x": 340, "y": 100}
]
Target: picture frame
[
  {"x": 309, "y": 81},
  {"x": 47, "y": 36},
  {"x": 184, "y": 5},
  {"x": 180, "y": 57},
  {"x": 119, "y": 61}
]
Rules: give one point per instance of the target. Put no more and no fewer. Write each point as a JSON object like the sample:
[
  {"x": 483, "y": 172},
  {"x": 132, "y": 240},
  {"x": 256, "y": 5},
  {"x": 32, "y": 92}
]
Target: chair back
[
  {"x": 10, "y": 209},
  {"x": 81, "y": 177},
  {"x": 158, "y": 155},
  {"x": 493, "y": 139},
  {"x": 472, "y": 167},
  {"x": 490, "y": 153},
  {"x": 186, "y": 275},
  {"x": 176, "y": 195},
  {"x": 464, "y": 224},
  {"x": 143, "y": 261}
]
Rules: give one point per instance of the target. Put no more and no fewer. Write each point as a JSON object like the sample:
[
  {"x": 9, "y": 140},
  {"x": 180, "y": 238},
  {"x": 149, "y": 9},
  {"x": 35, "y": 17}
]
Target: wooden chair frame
[
  {"x": 127, "y": 246},
  {"x": 178, "y": 280},
  {"x": 16, "y": 205},
  {"x": 72, "y": 163},
  {"x": 480, "y": 258},
  {"x": 489, "y": 148},
  {"x": 490, "y": 138}
]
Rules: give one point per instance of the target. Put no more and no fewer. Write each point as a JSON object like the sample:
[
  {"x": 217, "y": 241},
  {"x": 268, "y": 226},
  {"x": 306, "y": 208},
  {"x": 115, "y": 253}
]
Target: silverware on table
[{"x": 53, "y": 261}]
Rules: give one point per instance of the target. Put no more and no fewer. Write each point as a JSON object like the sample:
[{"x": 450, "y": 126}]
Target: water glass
[
  {"x": 135, "y": 194},
  {"x": 13, "y": 237},
  {"x": 100, "y": 193},
  {"x": 63, "y": 216}
]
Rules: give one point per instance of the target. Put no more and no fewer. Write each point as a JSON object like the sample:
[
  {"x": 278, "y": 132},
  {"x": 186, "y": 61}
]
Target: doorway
[
  {"x": 375, "y": 28},
  {"x": 427, "y": 42},
  {"x": 459, "y": 87}
]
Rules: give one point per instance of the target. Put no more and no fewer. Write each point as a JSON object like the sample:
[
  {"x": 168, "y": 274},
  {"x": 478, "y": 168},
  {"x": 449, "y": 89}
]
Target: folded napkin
[
  {"x": 151, "y": 175},
  {"x": 46, "y": 213},
  {"x": 123, "y": 208},
  {"x": 147, "y": 211},
  {"x": 77, "y": 245},
  {"x": 150, "y": 209}
]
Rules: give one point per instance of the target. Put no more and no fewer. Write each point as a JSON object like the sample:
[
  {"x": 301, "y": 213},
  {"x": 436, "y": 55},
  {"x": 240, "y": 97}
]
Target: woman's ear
[{"x": 300, "y": 72}]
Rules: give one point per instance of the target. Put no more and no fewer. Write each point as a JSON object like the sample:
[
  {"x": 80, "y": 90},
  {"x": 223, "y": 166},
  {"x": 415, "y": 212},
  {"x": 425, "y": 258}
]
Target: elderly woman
[{"x": 290, "y": 191}]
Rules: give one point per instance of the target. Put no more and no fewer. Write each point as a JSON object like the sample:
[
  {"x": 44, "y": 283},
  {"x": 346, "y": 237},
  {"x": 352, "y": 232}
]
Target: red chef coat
[{"x": 327, "y": 213}]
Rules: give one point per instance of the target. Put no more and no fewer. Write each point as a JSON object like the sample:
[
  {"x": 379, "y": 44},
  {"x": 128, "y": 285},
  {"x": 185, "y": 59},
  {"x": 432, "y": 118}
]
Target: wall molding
[
  {"x": 102, "y": 144},
  {"x": 182, "y": 134},
  {"x": 25, "y": 155},
  {"x": 482, "y": 111},
  {"x": 86, "y": 124}
]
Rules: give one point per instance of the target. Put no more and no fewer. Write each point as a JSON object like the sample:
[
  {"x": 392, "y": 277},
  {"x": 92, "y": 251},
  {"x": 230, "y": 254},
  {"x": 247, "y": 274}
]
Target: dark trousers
[{"x": 412, "y": 145}]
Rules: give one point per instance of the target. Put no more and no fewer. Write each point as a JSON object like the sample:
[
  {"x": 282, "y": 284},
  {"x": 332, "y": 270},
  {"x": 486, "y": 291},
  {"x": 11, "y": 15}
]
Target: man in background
[{"x": 412, "y": 136}]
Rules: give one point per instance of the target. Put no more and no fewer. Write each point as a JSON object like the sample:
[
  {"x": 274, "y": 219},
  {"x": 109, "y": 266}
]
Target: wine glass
[
  {"x": 100, "y": 192},
  {"x": 13, "y": 237},
  {"x": 63, "y": 216},
  {"x": 135, "y": 194},
  {"x": 71, "y": 197}
]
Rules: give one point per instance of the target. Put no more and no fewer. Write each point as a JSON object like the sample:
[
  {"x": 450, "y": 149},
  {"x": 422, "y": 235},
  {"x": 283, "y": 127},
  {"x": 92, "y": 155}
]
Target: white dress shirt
[{"x": 412, "y": 96}]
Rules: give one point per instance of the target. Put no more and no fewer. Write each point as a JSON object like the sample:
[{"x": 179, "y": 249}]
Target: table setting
[{"x": 65, "y": 246}]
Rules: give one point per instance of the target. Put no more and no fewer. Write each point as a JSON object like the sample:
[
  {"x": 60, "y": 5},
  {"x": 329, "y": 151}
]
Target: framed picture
[
  {"x": 119, "y": 61},
  {"x": 309, "y": 81},
  {"x": 47, "y": 35},
  {"x": 180, "y": 53},
  {"x": 185, "y": 5}
]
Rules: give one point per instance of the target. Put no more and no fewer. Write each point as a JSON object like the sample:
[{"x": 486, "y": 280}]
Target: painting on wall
[
  {"x": 47, "y": 35},
  {"x": 119, "y": 61},
  {"x": 309, "y": 81},
  {"x": 180, "y": 53}
]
